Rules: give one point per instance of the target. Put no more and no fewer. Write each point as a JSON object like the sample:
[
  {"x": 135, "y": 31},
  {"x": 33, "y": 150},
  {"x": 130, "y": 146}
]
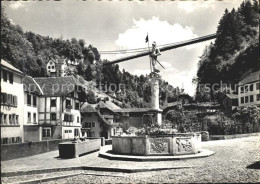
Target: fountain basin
[
  {"x": 174, "y": 144},
  {"x": 75, "y": 149}
]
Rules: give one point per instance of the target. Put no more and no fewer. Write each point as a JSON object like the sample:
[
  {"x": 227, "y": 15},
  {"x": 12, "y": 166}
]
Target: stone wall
[
  {"x": 224, "y": 137},
  {"x": 13, "y": 151}
]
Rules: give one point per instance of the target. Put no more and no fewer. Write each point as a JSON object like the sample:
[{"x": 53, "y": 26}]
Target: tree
[{"x": 248, "y": 117}]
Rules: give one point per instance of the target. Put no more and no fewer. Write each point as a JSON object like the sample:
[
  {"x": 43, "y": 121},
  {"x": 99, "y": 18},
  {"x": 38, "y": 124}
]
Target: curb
[
  {"x": 110, "y": 156},
  {"x": 36, "y": 181},
  {"x": 108, "y": 169},
  {"x": 40, "y": 171}
]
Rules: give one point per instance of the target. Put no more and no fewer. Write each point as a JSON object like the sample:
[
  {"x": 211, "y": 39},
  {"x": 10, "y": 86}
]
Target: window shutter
[
  {"x": 4, "y": 98},
  {"x": 15, "y": 100},
  {"x": 9, "y": 98},
  {"x": 13, "y": 103},
  {"x": 72, "y": 118},
  {"x": 65, "y": 117}
]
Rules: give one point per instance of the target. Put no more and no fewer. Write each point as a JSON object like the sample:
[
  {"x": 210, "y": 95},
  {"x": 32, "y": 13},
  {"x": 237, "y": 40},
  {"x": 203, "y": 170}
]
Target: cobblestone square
[{"x": 228, "y": 165}]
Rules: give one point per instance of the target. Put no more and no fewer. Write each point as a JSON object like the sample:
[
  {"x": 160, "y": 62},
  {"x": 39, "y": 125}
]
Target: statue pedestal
[{"x": 155, "y": 90}]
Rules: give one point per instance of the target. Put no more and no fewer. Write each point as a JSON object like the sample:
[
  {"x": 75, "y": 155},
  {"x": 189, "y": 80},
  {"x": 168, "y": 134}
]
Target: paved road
[{"x": 227, "y": 165}]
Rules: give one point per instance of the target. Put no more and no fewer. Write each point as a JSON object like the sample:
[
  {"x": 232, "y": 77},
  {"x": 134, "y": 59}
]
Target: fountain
[
  {"x": 154, "y": 146},
  {"x": 173, "y": 144}
]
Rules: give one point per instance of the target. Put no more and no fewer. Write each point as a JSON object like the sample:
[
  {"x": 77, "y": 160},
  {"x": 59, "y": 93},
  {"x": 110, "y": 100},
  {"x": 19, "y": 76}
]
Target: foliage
[
  {"x": 248, "y": 117},
  {"x": 235, "y": 51},
  {"x": 30, "y": 52}
]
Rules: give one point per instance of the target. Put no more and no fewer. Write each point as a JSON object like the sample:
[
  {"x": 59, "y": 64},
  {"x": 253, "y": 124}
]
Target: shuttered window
[{"x": 8, "y": 99}]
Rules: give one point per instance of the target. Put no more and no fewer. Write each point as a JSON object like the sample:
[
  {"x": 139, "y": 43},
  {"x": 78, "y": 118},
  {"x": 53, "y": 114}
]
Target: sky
[{"x": 119, "y": 25}]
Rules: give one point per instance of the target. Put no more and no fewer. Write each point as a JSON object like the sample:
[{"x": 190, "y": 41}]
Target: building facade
[
  {"x": 105, "y": 121},
  {"x": 59, "y": 108},
  {"x": 12, "y": 104},
  {"x": 32, "y": 93},
  {"x": 249, "y": 90},
  {"x": 56, "y": 67}
]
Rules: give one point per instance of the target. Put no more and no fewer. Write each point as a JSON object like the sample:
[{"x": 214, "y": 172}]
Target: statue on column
[{"x": 154, "y": 53}]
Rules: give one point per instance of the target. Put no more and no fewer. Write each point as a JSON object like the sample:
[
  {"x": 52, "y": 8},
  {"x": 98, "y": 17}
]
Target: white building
[
  {"x": 32, "y": 93},
  {"x": 249, "y": 90},
  {"x": 56, "y": 67},
  {"x": 12, "y": 104}
]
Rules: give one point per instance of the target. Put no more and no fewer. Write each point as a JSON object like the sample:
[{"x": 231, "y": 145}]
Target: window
[
  {"x": 11, "y": 77},
  {"x": 46, "y": 132},
  {"x": 251, "y": 98},
  {"x": 242, "y": 100},
  {"x": 68, "y": 118},
  {"x": 246, "y": 88},
  {"x": 76, "y": 132},
  {"x": 3, "y": 98},
  {"x": 28, "y": 99},
  {"x": 88, "y": 124},
  {"x": 5, "y": 119},
  {"x": 251, "y": 87},
  {"x": 15, "y": 101},
  {"x": 246, "y": 99},
  {"x": 4, "y": 141},
  {"x": 77, "y": 119},
  {"x": 49, "y": 67},
  {"x": 13, "y": 140},
  {"x": 77, "y": 105},
  {"x": 5, "y": 75},
  {"x": 17, "y": 119},
  {"x": 18, "y": 139},
  {"x": 14, "y": 119},
  {"x": 52, "y": 67},
  {"x": 70, "y": 131},
  {"x": 29, "y": 117},
  {"x": 34, "y": 118},
  {"x": 66, "y": 131},
  {"x": 242, "y": 89},
  {"x": 72, "y": 93},
  {"x": 2, "y": 118},
  {"x": 67, "y": 103},
  {"x": 53, "y": 116},
  {"x": 257, "y": 85},
  {"x": 9, "y": 99},
  {"x": 34, "y": 101},
  {"x": 10, "y": 119},
  {"x": 53, "y": 102},
  {"x": 258, "y": 97}
]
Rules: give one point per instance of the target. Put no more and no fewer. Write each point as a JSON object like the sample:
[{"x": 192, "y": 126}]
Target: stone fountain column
[{"x": 155, "y": 89}]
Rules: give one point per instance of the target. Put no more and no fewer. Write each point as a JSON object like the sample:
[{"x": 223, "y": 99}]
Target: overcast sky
[{"x": 115, "y": 25}]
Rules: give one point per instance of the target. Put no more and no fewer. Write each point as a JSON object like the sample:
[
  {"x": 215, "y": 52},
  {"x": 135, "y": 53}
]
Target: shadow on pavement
[{"x": 255, "y": 165}]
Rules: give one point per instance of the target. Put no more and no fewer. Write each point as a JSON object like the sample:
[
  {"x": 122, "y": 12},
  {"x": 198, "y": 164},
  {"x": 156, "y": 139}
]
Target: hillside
[
  {"x": 30, "y": 52},
  {"x": 235, "y": 52}
]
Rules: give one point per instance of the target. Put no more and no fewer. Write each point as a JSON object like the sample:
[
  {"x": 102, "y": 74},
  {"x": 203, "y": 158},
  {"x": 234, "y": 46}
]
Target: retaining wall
[
  {"x": 14, "y": 151},
  {"x": 224, "y": 137}
]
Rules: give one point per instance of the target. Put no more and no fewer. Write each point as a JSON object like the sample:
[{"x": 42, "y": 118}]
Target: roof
[
  {"x": 255, "y": 76},
  {"x": 203, "y": 105},
  {"x": 7, "y": 65},
  {"x": 109, "y": 105},
  {"x": 31, "y": 86},
  {"x": 133, "y": 110},
  {"x": 88, "y": 108},
  {"x": 59, "y": 60},
  {"x": 231, "y": 96},
  {"x": 53, "y": 86}
]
